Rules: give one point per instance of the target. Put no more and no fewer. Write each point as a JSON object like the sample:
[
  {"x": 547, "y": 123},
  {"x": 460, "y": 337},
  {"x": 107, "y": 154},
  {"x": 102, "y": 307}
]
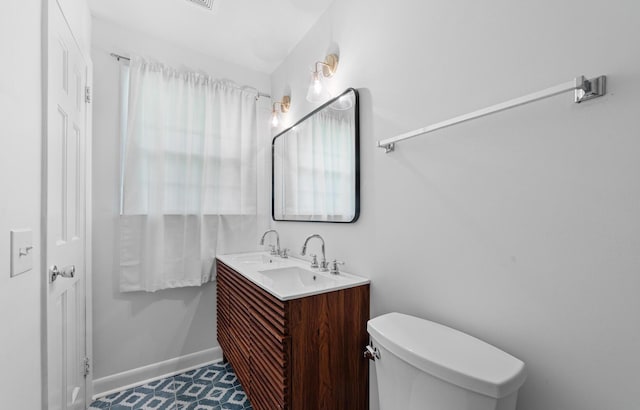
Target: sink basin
[
  {"x": 290, "y": 278},
  {"x": 257, "y": 258},
  {"x": 294, "y": 279}
]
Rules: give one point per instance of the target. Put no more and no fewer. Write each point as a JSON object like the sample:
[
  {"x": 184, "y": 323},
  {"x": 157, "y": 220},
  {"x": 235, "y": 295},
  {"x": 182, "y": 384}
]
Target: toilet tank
[{"x": 423, "y": 365}]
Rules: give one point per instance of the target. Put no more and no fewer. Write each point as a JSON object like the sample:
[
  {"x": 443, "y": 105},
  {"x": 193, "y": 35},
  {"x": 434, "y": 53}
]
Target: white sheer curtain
[
  {"x": 189, "y": 176},
  {"x": 319, "y": 168}
]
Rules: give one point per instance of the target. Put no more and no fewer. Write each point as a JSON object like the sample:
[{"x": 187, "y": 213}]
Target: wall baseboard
[{"x": 145, "y": 374}]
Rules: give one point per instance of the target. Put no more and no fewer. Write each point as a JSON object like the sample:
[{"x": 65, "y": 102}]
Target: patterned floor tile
[
  {"x": 193, "y": 392},
  {"x": 235, "y": 399},
  {"x": 213, "y": 387},
  {"x": 189, "y": 375},
  {"x": 132, "y": 399},
  {"x": 239, "y": 397},
  {"x": 220, "y": 392},
  {"x": 168, "y": 386},
  {"x": 113, "y": 398},
  {"x": 209, "y": 374},
  {"x": 228, "y": 380},
  {"x": 159, "y": 403},
  {"x": 204, "y": 405}
]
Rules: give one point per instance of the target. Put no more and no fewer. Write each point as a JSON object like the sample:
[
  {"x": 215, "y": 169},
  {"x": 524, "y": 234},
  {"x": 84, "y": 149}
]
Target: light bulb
[
  {"x": 316, "y": 91},
  {"x": 317, "y": 85},
  {"x": 274, "y": 118}
]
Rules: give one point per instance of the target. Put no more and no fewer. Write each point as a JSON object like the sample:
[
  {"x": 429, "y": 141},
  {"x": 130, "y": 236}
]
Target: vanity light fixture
[
  {"x": 285, "y": 104},
  {"x": 329, "y": 67}
]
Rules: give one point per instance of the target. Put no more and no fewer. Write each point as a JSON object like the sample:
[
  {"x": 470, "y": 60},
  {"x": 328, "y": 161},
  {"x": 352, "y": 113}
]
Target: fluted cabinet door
[{"x": 234, "y": 324}]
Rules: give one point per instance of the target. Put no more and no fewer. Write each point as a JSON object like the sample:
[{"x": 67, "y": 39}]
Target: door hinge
[
  {"x": 87, "y": 94},
  {"x": 86, "y": 364}
]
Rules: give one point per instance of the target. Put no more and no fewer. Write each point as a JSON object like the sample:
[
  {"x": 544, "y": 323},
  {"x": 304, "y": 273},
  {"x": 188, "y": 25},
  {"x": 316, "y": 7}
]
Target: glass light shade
[
  {"x": 317, "y": 91},
  {"x": 317, "y": 85},
  {"x": 275, "y": 120}
]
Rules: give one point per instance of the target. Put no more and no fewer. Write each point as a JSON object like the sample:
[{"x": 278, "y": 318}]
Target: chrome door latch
[
  {"x": 371, "y": 352},
  {"x": 66, "y": 272}
]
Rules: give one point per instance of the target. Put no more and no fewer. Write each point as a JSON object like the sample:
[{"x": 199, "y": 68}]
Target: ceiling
[{"x": 256, "y": 34}]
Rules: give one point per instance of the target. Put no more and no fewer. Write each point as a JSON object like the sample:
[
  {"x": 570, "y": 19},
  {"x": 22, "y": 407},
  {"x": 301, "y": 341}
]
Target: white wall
[
  {"x": 137, "y": 329},
  {"x": 521, "y": 228},
  {"x": 20, "y": 142}
]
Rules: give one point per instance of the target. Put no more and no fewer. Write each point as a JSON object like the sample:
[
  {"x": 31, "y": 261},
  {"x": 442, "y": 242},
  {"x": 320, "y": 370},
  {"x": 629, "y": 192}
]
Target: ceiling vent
[{"x": 207, "y": 4}]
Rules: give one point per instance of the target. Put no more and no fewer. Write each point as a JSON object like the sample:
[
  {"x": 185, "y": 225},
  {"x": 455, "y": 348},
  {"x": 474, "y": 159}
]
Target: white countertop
[{"x": 289, "y": 278}]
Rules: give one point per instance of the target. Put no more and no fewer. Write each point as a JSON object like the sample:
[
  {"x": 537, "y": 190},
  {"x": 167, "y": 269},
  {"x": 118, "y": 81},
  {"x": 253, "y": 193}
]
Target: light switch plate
[{"x": 21, "y": 251}]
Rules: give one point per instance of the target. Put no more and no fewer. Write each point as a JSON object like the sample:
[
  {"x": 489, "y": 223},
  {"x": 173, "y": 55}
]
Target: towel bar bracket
[
  {"x": 388, "y": 147},
  {"x": 590, "y": 89}
]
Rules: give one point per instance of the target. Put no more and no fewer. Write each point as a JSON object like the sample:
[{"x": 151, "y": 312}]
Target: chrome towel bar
[{"x": 584, "y": 90}]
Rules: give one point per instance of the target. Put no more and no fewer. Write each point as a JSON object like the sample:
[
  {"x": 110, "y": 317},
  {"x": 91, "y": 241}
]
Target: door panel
[{"x": 65, "y": 150}]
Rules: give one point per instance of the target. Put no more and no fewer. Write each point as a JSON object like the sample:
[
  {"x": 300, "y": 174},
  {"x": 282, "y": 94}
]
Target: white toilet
[{"x": 421, "y": 365}]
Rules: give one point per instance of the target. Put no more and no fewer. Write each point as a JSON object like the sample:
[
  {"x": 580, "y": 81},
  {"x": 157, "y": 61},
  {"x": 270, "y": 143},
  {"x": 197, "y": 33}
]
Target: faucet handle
[
  {"x": 335, "y": 270},
  {"x": 284, "y": 254},
  {"x": 314, "y": 260}
]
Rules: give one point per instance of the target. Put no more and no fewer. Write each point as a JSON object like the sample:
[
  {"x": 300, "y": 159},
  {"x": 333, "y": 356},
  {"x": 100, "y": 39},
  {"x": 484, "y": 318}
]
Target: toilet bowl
[{"x": 422, "y": 365}]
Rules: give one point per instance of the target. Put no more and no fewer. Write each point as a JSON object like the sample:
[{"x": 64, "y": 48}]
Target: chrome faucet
[
  {"x": 276, "y": 250},
  {"x": 335, "y": 269},
  {"x": 323, "y": 262}
]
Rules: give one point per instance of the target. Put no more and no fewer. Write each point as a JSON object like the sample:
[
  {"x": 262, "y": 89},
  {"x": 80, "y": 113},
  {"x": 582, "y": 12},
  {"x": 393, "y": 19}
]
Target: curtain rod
[{"x": 260, "y": 94}]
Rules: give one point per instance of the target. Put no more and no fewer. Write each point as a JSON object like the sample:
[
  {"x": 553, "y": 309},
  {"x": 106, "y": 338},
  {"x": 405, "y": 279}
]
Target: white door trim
[{"x": 88, "y": 232}]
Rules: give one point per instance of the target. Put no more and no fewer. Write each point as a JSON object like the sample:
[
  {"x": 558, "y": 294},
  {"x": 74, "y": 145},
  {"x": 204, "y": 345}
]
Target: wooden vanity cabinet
[{"x": 301, "y": 354}]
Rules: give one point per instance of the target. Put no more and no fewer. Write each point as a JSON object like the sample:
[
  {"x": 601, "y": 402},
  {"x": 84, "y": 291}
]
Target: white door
[{"x": 65, "y": 210}]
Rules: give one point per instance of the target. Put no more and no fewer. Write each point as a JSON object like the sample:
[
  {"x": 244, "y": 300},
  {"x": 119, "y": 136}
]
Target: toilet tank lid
[{"x": 449, "y": 354}]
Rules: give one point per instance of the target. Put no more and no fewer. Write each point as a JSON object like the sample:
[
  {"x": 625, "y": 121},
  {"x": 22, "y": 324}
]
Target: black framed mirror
[{"x": 315, "y": 165}]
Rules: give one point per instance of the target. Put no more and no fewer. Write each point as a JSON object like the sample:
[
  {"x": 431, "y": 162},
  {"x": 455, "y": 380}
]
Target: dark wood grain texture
[
  {"x": 329, "y": 333},
  {"x": 302, "y": 354}
]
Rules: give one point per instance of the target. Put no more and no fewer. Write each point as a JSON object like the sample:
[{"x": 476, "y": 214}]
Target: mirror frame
[{"x": 356, "y": 151}]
